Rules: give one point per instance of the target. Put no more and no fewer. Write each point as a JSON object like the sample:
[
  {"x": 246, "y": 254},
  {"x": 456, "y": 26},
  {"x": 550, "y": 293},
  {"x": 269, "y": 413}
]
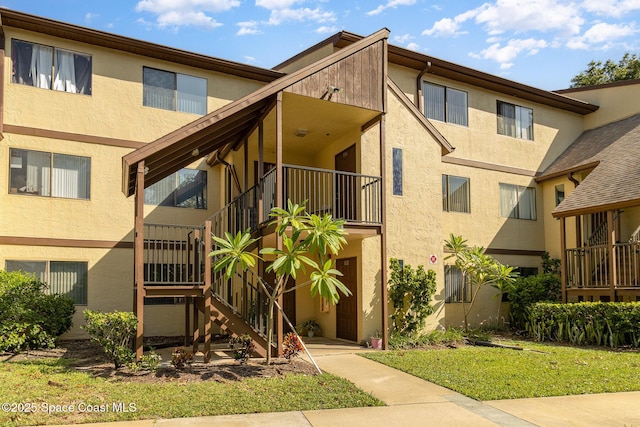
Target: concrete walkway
[{"x": 415, "y": 402}]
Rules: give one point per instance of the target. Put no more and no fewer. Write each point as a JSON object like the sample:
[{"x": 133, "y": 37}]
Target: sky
[{"x": 542, "y": 43}]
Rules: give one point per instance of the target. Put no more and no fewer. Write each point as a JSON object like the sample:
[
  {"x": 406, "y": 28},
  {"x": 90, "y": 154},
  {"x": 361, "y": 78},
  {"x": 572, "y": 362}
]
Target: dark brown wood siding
[{"x": 360, "y": 78}]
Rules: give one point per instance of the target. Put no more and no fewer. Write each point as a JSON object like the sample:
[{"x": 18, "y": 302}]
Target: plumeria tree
[
  {"x": 478, "y": 269},
  {"x": 308, "y": 241}
]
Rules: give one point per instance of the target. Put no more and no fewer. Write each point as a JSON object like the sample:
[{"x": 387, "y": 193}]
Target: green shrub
[
  {"x": 411, "y": 292},
  {"x": 30, "y": 319},
  {"x": 114, "y": 332},
  {"x": 613, "y": 324},
  {"x": 529, "y": 290},
  {"x": 451, "y": 336}
]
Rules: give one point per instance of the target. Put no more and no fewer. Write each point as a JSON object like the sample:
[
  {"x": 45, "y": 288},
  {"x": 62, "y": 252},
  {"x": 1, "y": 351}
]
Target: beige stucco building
[{"x": 122, "y": 156}]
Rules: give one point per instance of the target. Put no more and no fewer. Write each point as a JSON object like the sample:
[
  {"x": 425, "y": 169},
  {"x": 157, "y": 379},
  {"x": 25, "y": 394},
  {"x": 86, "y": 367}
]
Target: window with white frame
[
  {"x": 67, "y": 278},
  {"x": 445, "y": 104},
  {"x": 455, "y": 287},
  {"x": 517, "y": 202},
  {"x": 40, "y": 173},
  {"x": 186, "y": 188},
  {"x": 48, "y": 67},
  {"x": 455, "y": 194},
  {"x": 515, "y": 121},
  {"x": 174, "y": 91}
]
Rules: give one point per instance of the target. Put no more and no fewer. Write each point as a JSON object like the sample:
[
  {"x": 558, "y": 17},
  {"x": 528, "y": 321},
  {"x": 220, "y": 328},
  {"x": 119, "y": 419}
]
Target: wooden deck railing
[
  {"x": 356, "y": 198},
  {"x": 589, "y": 267},
  {"x": 173, "y": 255}
]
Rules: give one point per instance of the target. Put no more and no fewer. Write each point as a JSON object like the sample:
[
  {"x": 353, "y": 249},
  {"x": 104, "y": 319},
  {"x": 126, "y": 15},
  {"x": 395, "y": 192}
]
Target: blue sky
[{"x": 543, "y": 43}]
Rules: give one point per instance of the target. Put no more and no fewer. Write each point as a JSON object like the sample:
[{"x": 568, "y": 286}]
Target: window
[
  {"x": 515, "y": 121},
  {"x": 559, "y": 194},
  {"x": 397, "y": 171},
  {"x": 68, "y": 278},
  {"x": 445, "y": 104},
  {"x": 49, "y": 174},
  {"x": 186, "y": 188},
  {"x": 50, "y": 68},
  {"x": 455, "y": 194},
  {"x": 517, "y": 202},
  {"x": 173, "y": 91},
  {"x": 455, "y": 288},
  {"x": 527, "y": 271}
]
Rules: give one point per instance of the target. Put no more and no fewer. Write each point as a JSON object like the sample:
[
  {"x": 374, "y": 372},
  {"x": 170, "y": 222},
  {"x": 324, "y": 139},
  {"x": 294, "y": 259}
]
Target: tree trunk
[{"x": 272, "y": 301}]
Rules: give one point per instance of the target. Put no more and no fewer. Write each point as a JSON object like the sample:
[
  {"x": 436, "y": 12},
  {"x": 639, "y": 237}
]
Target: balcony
[{"x": 592, "y": 270}]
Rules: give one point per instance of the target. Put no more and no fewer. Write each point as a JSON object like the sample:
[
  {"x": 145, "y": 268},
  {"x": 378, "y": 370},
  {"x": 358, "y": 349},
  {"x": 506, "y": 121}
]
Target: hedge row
[{"x": 613, "y": 324}]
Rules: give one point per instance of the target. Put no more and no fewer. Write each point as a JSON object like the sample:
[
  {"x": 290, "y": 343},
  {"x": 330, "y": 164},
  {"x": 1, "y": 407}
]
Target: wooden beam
[
  {"x": 563, "y": 258},
  {"x": 260, "y": 169},
  {"x": 138, "y": 258},
  {"x": 208, "y": 282},
  {"x": 187, "y": 320},
  {"x": 281, "y": 203},
  {"x": 611, "y": 241}
]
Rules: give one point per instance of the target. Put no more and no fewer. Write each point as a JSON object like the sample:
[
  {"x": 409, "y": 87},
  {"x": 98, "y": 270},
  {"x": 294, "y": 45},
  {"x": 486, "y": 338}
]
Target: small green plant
[
  {"x": 148, "y": 362},
  {"x": 181, "y": 358},
  {"x": 291, "y": 346},
  {"x": 114, "y": 332},
  {"x": 311, "y": 326},
  {"x": 30, "y": 319},
  {"x": 242, "y": 347}
]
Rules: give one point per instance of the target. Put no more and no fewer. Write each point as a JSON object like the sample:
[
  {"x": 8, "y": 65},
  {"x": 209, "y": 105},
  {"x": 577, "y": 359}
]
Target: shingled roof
[{"x": 613, "y": 151}]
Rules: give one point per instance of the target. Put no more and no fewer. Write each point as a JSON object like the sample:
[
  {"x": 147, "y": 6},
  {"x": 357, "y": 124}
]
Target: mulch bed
[{"x": 85, "y": 356}]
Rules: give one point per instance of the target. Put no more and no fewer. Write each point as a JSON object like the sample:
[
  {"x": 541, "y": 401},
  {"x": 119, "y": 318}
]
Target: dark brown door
[
  {"x": 346, "y": 185},
  {"x": 288, "y": 299},
  {"x": 347, "y": 307}
]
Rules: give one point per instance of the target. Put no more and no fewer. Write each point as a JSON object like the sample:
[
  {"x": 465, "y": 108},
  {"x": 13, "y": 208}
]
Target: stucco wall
[
  {"x": 115, "y": 107},
  {"x": 616, "y": 102}
]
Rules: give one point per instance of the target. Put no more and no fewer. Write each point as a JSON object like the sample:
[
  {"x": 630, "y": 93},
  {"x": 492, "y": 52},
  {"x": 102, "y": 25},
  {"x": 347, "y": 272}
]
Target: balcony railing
[
  {"x": 589, "y": 267},
  {"x": 173, "y": 255},
  {"x": 356, "y": 198}
]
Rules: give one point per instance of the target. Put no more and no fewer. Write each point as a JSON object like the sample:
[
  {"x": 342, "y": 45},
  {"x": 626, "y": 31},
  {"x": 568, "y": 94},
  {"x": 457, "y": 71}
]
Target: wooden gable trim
[
  {"x": 599, "y": 208},
  {"x": 446, "y": 146},
  {"x": 568, "y": 171},
  {"x": 357, "y": 80}
]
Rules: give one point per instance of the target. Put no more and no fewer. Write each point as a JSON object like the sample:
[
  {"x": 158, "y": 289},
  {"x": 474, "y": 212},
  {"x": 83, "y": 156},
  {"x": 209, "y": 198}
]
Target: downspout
[{"x": 424, "y": 71}]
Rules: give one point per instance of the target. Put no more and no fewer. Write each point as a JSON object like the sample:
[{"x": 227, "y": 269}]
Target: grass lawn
[
  {"x": 486, "y": 373},
  {"x": 42, "y": 384}
]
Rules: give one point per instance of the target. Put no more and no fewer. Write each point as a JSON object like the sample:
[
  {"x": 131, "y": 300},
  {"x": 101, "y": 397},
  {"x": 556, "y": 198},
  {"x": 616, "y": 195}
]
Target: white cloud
[
  {"x": 533, "y": 15},
  {"x": 602, "y": 35},
  {"x": 413, "y": 46},
  {"x": 505, "y": 55},
  {"x": 248, "y": 28},
  {"x": 89, "y": 16},
  {"x": 277, "y": 4},
  {"x": 403, "y": 38},
  {"x": 177, "y": 13},
  {"x": 326, "y": 30},
  {"x": 615, "y": 8},
  {"x": 250, "y": 59},
  {"x": 445, "y": 27},
  {"x": 278, "y": 16},
  {"x": 391, "y": 4}
]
